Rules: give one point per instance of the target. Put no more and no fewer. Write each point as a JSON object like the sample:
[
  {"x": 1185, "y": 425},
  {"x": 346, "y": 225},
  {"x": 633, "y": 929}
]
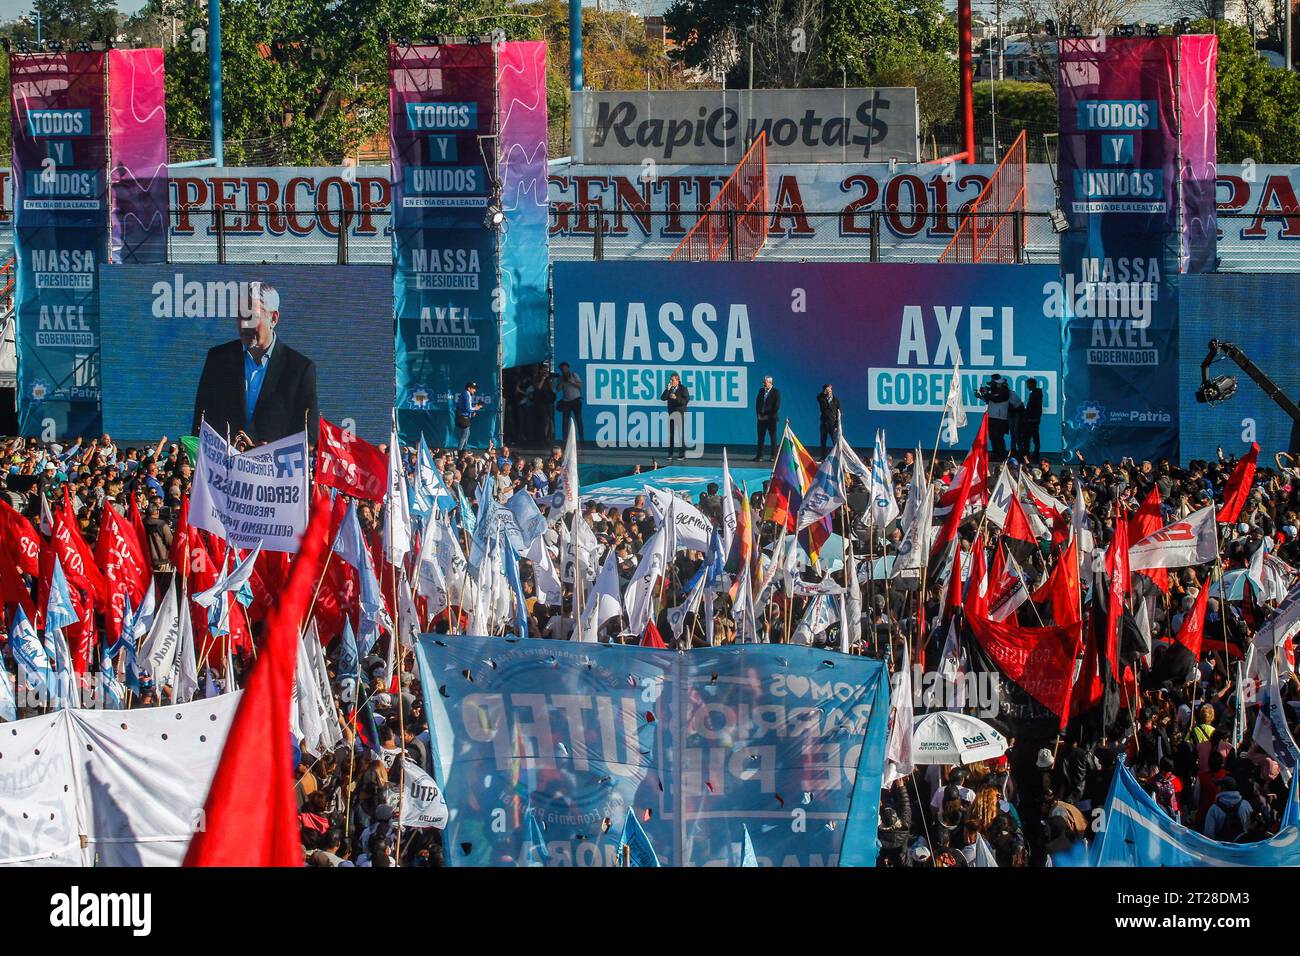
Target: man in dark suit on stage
[
  {"x": 256, "y": 388},
  {"x": 767, "y": 408}
]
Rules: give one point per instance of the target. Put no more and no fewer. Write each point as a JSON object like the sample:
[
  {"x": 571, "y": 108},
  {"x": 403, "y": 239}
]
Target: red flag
[
  {"x": 75, "y": 555},
  {"x": 1117, "y": 574},
  {"x": 1238, "y": 486},
  {"x": 953, "y": 602},
  {"x": 1149, "y": 519},
  {"x": 180, "y": 550},
  {"x": 117, "y": 552},
  {"x": 1062, "y": 590},
  {"x": 24, "y": 543},
  {"x": 258, "y": 754},
  {"x": 974, "y": 478},
  {"x": 137, "y": 525},
  {"x": 1191, "y": 634},
  {"x": 350, "y": 464},
  {"x": 13, "y": 590},
  {"x": 651, "y": 637},
  {"x": 1038, "y": 659}
]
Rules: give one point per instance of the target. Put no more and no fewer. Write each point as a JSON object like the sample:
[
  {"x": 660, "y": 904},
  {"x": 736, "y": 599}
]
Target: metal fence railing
[
  {"x": 875, "y": 235},
  {"x": 1248, "y": 242},
  {"x": 987, "y": 233},
  {"x": 266, "y": 235}
]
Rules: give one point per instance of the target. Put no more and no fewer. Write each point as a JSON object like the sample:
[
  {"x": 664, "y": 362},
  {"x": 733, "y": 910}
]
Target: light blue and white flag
[
  {"x": 884, "y": 507},
  {"x": 639, "y": 850},
  {"x": 8, "y": 702},
  {"x": 33, "y": 663},
  {"x": 235, "y": 583},
  {"x": 59, "y": 610},
  {"x": 747, "y": 857}
]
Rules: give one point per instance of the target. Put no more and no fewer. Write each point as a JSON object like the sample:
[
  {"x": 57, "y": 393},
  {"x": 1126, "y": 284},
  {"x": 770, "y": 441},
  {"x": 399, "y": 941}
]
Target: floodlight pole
[{"x": 966, "y": 69}]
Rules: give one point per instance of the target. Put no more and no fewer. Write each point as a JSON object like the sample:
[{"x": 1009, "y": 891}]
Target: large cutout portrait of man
[{"x": 257, "y": 388}]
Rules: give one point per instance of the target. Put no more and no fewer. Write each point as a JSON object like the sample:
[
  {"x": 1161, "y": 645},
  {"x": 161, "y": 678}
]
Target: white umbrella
[{"x": 948, "y": 737}]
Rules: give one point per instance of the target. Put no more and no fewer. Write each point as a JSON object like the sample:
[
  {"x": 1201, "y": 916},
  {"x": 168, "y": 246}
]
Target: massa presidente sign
[{"x": 717, "y": 126}]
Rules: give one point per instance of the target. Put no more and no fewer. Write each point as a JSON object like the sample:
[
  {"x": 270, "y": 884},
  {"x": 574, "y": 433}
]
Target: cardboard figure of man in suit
[{"x": 256, "y": 388}]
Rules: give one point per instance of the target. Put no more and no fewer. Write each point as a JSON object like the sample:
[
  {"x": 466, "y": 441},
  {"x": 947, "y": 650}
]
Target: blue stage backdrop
[
  {"x": 885, "y": 335},
  {"x": 543, "y": 747},
  {"x": 160, "y": 321},
  {"x": 1248, "y": 311}
]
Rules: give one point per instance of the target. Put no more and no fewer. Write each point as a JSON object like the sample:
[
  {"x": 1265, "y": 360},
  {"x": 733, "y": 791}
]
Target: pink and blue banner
[
  {"x": 885, "y": 336},
  {"x": 138, "y": 150},
  {"x": 442, "y": 110},
  {"x": 1137, "y": 182},
  {"x": 521, "y": 98},
  {"x": 60, "y": 236}
]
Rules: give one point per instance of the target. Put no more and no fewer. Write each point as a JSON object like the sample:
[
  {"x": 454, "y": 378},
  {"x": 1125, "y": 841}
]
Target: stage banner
[
  {"x": 885, "y": 336},
  {"x": 1198, "y": 111},
  {"x": 521, "y": 170},
  {"x": 441, "y": 126},
  {"x": 542, "y": 749},
  {"x": 138, "y": 148},
  {"x": 60, "y": 237},
  {"x": 1124, "y": 115}
]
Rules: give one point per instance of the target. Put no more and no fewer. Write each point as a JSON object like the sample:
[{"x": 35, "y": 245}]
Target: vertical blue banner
[
  {"x": 442, "y": 110},
  {"x": 60, "y": 157},
  {"x": 1120, "y": 259},
  {"x": 525, "y": 250},
  {"x": 542, "y": 748}
]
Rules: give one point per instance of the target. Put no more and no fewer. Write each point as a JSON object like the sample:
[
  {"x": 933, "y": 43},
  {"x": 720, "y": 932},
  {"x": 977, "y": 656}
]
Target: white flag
[
  {"x": 185, "y": 672},
  {"x": 677, "y": 615},
  {"x": 397, "y": 503},
  {"x": 603, "y": 601},
  {"x": 728, "y": 506},
  {"x": 639, "y": 598},
  {"x": 954, "y": 410},
  {"x": 569, "y": 475},
  {"x": 1193, "y": 540},
  {"x": 422, "y": 802},
  {"x": 884, "y": 508},
  {"x": 692, "y": 530},
  {"x": 898, "y": 747},
  {"x": 157, "y": 651}
]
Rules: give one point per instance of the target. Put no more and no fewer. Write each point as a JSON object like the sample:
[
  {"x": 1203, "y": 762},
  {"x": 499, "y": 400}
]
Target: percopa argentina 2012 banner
[{"x": 543, "y": 748}]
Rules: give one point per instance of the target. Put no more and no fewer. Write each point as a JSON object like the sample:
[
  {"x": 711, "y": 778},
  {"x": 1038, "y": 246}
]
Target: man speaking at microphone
[{"x": 256, "y": 388}]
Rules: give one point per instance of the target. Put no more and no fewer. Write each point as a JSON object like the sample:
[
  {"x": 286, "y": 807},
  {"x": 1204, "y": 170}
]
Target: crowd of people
[{"x": 1177, "y": 728}]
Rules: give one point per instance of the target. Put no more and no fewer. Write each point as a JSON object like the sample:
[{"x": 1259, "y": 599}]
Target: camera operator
[{"x": 996, "y": 393}]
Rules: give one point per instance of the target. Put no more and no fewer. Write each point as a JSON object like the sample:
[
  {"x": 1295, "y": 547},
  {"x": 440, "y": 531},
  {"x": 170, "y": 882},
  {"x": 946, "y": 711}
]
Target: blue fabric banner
[
  {"x": 442, "y": 112},
  {"x": 1138, "y": 833},
  {"x": 60, "y": 153},
  {"x": 543, "y": 747}
]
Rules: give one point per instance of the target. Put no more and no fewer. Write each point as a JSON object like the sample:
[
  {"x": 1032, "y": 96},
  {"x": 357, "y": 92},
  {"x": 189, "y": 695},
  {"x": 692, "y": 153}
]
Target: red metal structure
[
  {"x": 7, "y": 285},
  {"x": 734, "y": 226},
  {"x": 992, "y": 230}
]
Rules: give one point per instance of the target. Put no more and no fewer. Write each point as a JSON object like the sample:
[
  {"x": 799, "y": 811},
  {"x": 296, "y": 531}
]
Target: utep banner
[
  {"x": 884, "y": 335},
  {"x": 60, "y": 236},
  {"x": 138, "y": 146},
  {"x": 442, "y": 113},
  {"x": 543, "y": 747},
  {"x": 525, "y": 257},
  {"x": 1138, "y": 833},
  {"x": 1138, "y": 217}
]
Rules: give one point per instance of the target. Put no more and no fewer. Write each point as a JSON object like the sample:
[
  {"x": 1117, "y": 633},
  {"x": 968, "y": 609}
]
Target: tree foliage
[{"x": 310, "y": 76}]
